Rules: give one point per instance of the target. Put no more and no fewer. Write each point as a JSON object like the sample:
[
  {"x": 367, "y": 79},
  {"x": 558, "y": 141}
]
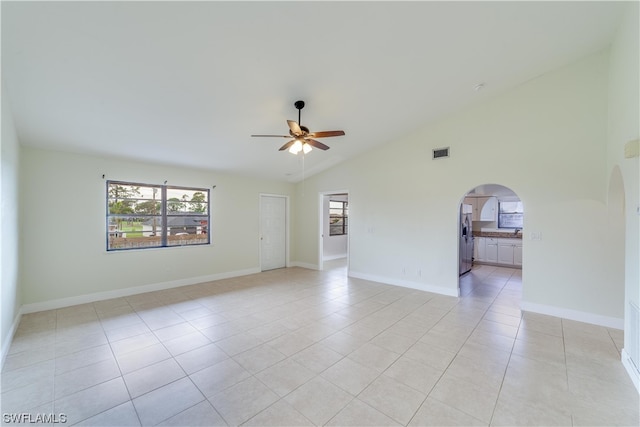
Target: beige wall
[
  {"x": 546, "y": 140},
  {"x": 64, "y": 254}
]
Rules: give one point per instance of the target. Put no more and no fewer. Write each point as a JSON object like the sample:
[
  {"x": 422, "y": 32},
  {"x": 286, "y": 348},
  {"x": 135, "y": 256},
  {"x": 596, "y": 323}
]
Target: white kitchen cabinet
[
  {"x": 480, "y": 248},
  {"x": 471, "y": 201},
  {"x": 484, "y": 208},
  {"x": 475, "y": 248},
  {"x": 491, "y": 253},
  {"x": 488, "y": 208},
  {"x": 510, "y": 251},
  {"x": 505, "y": 252},
  {"x": 499, "y": 251},
  {"x": 517, "y": 253}
]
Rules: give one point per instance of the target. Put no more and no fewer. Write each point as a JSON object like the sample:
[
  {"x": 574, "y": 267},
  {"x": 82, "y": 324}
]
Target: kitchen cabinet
[
  {"x": 505, "y": 252},
  {"x": 510, "y": 251},
  {"x": 488, "y": 208},
  {"x": 485, "y": 208},
  {"x": 480, "y": 248},
  {"x": 475, "y": 248},
  {"x": 491, "y": 254},
  {"x": 499, "y": 251},
  {"x": 473, "y": 201},
  {"x": 517, "y": 254}
]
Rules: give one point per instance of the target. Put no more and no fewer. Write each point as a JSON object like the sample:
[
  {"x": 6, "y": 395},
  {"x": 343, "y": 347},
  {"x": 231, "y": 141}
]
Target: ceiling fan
[{"x": 303, "y": 139}]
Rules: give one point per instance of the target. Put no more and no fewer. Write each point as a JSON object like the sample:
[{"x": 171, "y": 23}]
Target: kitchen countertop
[{"x": 501, "y": 234}]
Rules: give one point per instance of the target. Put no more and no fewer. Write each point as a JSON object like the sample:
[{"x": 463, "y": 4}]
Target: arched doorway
[{"x": 490, "y": 233}]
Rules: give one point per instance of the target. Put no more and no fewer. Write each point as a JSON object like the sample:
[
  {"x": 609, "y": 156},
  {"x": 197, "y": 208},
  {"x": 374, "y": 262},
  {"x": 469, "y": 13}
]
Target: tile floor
[{"x": 296, "y": 347}]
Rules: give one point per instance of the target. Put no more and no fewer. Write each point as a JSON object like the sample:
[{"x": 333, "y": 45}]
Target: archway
[{"x": 495, "y": 214}]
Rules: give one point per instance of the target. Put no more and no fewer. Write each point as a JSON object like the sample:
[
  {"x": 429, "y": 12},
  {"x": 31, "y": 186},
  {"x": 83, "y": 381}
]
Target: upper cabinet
[
  {"x": 488, "y": 207},
  {"x": 485, "y": 208}
]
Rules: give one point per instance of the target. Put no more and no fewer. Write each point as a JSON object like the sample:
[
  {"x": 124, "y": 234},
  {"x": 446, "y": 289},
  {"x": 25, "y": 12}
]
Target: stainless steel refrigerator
[{"x": 466, "y": 238}]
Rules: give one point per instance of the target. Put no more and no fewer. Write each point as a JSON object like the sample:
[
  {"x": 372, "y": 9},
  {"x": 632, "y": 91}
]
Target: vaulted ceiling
[{"x": 187, "y": 83}]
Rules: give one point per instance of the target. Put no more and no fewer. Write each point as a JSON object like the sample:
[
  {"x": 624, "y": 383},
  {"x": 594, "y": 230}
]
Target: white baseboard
[
  {"x": 117, "y": 293},
  {"x": 304, "y": 265},
  {"x": 405, "y": 283},
  {"x": 633, "y": 372},
  {"x": 6, "y": 342},
  {"x": 332, "y": 257},
  {"x": 579, "y": 316}
]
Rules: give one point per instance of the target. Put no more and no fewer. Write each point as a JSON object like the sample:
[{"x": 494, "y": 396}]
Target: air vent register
[{"x": 439, "y": 153}]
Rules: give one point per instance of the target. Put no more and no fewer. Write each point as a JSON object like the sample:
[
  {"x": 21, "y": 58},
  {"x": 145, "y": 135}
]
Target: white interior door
[{"x": 273, "y": 232}]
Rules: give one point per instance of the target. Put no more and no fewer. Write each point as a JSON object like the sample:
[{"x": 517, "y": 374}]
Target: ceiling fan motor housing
[{"x": 304, "y": 129}]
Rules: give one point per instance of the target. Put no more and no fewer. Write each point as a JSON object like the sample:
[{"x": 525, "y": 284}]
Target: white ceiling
[{"x": 187, "y": 83}]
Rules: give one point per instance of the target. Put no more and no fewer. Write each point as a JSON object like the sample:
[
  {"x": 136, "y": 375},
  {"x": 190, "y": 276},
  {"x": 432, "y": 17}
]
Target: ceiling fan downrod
[{"x": 299, "y": 105}]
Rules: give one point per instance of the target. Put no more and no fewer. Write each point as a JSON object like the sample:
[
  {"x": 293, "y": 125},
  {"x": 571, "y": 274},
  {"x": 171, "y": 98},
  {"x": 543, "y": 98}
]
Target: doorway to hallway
[{"x": 333, "y": 248}]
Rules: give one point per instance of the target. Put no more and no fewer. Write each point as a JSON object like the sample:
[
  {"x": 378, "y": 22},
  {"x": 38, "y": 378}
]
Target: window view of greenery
[
  {"x": 338, "y": 216},
  {"x": 151, "y": 216},
  {"x": 510, "y": 215}
]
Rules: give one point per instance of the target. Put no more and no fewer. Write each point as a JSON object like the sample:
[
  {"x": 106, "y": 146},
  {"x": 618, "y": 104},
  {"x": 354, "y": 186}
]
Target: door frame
[
  {"x": 321, "y": 196},
  {"x": 286, "y": 226}
]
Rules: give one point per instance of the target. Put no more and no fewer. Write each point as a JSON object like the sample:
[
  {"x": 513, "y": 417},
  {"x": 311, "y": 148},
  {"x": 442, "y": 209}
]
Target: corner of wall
[
  {"x": 10, "y": 293},
  {"x": 8, "y": 339},
  {"x": 632, "y": 370}
]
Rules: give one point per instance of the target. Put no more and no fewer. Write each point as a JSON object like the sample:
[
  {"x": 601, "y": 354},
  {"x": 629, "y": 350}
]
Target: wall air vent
[{"x": 439, "y": 153}]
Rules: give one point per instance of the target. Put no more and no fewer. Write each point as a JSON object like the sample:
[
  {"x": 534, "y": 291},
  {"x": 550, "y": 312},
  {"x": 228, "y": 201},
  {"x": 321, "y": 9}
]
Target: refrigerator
[{"x": 466, "y": 238}]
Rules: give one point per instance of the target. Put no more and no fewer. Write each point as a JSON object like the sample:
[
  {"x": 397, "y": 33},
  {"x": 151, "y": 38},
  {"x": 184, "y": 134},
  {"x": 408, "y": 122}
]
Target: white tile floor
[{"x": 300, "y": 347}]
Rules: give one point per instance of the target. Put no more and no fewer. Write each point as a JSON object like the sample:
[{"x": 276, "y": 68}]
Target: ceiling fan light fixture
[
  {"x": 306, "y": 148},
  {"x": 296, "y": 147}
]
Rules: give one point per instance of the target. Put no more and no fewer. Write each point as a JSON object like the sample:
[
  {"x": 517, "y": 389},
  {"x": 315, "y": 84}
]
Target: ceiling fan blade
[
  {"x": 275, "y": 136},
  {"x": 326, "y": 133},
  {"x": 316, "y": 144},
  {"x": 295, "y": 128},
  {"x": 287, "y": 145}
]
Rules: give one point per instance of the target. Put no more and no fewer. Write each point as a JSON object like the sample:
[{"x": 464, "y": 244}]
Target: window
[
  {"x": 510, "y": 214},
  {"x": 153, "y": 216},
  {"x": 338, "y": 215}
]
